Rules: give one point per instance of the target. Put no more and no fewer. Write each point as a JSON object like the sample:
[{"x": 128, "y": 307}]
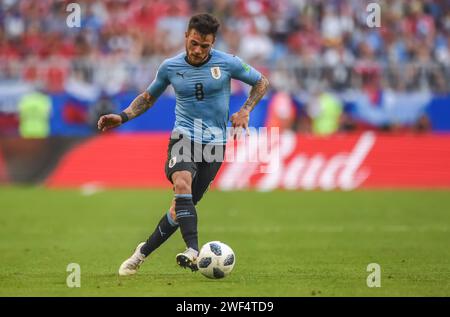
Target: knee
[
  {"x": 182, "y": 187},
  {"x": 182, "y": 184}
]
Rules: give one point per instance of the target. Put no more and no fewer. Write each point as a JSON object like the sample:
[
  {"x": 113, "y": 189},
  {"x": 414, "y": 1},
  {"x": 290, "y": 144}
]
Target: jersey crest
[
  {"x": 172, "y": 162},
  {"x": 215, "y": 72}
]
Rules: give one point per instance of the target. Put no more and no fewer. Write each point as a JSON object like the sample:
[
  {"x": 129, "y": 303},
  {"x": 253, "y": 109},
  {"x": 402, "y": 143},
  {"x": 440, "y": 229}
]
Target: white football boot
[
  {"x": 188, "y": 259},
  {"x": 132, "y": 264}
]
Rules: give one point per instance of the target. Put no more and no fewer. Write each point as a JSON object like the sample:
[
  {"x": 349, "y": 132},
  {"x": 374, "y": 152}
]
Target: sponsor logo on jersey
[{"x": 215, "y": 72}]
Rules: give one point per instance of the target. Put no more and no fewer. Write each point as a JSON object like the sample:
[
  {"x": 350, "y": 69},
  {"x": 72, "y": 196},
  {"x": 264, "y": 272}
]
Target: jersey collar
[{"x": 202, "y": 63}]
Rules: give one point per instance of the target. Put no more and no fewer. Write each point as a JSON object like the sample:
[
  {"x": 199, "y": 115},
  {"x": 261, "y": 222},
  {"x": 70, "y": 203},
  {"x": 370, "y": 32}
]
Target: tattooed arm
[
  {"x": 138, "y": 106},
  {"x": 256, "y": 93},
  {"x": 241, "y": 118}
]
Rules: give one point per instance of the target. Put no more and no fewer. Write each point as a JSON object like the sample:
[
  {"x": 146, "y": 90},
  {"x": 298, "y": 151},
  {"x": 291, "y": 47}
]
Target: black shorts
[{"x": 202, "y": 160}]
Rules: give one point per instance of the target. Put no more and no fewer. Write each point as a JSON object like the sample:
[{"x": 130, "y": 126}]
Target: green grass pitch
[{"x": 286, "y": 243}]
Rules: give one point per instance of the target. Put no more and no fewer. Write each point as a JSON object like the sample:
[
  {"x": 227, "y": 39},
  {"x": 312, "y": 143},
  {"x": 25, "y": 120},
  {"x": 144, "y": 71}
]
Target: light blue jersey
[{"x": 202, "y": 93}]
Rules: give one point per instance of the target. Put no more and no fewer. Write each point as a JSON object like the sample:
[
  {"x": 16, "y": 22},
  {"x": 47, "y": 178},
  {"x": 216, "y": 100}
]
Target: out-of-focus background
[
  {"x": 330, "y": 72},
  {"x": 358, "y": 106}
]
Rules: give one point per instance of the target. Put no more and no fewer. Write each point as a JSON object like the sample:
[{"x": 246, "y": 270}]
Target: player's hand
[
  {"x": 239, "y": 121},
  {"x": 109, "y": 121}
]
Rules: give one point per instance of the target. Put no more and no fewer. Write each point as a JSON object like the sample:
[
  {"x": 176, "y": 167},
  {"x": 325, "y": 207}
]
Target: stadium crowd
[{"x": 305, "y": 47}]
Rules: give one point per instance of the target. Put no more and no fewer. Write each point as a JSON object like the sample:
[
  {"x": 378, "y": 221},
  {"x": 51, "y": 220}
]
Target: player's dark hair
[{"x": 204, "y": 23}]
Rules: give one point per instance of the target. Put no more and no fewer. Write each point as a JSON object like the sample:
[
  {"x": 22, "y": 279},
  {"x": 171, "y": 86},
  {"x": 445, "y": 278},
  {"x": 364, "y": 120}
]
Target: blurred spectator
[
  {"x": 325, "y": 112},
  {"x": 281, "y": 112},
  {"x": 258, "y": 47},
  {"x": 264, "y": 32},
  {"x": 103, "y": 106},
  {"x": 34, "y": 115}
]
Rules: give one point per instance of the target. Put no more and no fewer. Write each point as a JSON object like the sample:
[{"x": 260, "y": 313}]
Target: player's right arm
[{"x": 140, "y": 104}]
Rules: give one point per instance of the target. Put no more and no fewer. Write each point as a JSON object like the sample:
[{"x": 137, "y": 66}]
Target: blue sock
[
  {"x": 187, "y": 219},
  {"x": 165, "y": 228}
]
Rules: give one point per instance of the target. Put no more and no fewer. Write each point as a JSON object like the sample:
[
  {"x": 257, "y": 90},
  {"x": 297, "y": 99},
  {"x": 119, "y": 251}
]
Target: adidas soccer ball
[{"x": 215, "y": 260}]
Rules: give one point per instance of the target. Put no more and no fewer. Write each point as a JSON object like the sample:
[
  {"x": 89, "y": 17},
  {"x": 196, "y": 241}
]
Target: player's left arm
[{"x": 240, "y": 119}]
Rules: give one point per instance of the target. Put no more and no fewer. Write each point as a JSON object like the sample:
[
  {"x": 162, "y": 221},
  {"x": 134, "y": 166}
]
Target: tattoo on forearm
[
  {"x": 139, "y": 105},
  {"x": 256, "y": 93}
]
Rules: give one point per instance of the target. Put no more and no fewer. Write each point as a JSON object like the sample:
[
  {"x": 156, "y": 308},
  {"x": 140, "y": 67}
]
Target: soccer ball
[{"x": 215, "y": 260}]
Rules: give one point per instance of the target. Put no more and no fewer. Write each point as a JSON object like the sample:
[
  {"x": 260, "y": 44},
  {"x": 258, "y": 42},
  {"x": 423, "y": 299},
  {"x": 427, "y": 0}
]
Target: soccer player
[{"x": 201, "y": 80}]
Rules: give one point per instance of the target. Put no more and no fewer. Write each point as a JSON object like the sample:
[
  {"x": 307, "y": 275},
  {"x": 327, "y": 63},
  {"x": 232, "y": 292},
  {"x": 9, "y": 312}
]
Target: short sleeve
[
  {"x": 161, "y": 81},
  {"x": 243, "y": 72}
]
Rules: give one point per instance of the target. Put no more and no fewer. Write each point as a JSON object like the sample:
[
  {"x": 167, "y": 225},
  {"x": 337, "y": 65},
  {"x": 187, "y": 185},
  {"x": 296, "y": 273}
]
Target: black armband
[{"x": 124, "y": 117}]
